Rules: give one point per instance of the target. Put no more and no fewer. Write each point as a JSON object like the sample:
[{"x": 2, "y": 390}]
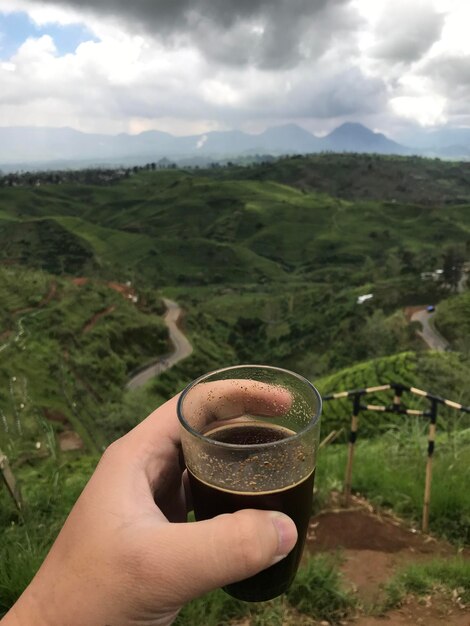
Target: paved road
[
  {"x": 182, "y": 348},
  {"x": 429, "y": 334}
]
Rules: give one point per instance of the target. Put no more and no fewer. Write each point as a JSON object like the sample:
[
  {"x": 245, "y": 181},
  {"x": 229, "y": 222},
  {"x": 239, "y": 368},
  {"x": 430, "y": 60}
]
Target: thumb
[{"x": 227, "y": 548}]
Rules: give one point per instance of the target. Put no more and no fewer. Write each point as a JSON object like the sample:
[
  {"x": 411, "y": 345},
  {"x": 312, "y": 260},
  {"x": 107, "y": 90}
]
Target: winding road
[
  {"x": 429, "y": 334},
  {"x": 182, "y": 348}
]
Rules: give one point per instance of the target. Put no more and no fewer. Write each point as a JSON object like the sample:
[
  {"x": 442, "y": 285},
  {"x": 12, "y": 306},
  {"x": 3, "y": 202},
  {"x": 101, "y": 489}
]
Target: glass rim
[{"x": 251, "y": 446}]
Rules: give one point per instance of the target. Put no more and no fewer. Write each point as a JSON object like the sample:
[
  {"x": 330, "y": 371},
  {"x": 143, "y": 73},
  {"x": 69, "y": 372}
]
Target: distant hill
[
  {"x": 424, "y": 370},
  {"x": 358, "y": 138},
  {"x": 56, "y": 148},
  {"x": 392, "y": 178},
  {"x": 31, "y": 147},
  {"x": 223, "y": 224},
  {"x": 447, "y": 141},
  {"x": 267, "y": 260}
]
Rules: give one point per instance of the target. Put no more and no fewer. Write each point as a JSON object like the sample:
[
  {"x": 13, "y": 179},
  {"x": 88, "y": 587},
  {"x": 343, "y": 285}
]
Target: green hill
[
  {"x": 267, "y": 262},
  {"x": 210, "y": 227},
  {"x": 439, "y": 373},
  {"x": 453, "y": 320},
  {"x": 398, "y": 179},
  {"x": 67, "y": 350}
]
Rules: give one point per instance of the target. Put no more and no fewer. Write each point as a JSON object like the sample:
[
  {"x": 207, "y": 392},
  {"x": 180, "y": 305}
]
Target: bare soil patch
[
  {"x": 437, "y": 610},
  {"x": 55, "y": 416},
  {"x": 91, "y": 322},
  {"x": 372, "y": 546},
  {"x": 70, "y": 440},
  {"x": 410, "y": 310}
]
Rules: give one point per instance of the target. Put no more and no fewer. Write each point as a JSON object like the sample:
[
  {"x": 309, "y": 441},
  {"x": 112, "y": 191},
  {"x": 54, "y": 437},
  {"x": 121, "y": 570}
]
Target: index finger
[
  {"x": 206, "y": 402},
  {"x": 226, "y": 399}
]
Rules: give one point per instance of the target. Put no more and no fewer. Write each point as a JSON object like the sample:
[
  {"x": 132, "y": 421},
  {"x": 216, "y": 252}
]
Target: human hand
[{"x": 126, "y": 556}]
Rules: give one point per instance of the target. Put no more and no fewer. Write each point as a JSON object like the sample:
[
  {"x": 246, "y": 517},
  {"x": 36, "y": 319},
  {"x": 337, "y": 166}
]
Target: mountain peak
[
  {"x": 355, "y": 137},
  {"x": 352, "y": 129}
]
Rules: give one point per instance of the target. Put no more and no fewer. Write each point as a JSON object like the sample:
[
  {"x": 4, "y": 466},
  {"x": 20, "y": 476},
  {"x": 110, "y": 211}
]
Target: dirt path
[
  {"x": 90, "y": 324},
  {"x": 182, "y": 348},
  {"x": 430, "y": 611},
  {"x": 429, "y": 334}
]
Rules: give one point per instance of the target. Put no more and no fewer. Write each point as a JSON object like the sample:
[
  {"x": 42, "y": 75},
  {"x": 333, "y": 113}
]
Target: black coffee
[{"x": 295, "y": 501}]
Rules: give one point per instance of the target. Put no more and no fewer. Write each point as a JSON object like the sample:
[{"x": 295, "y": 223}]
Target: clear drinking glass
[{"x": 250, "y": 435}]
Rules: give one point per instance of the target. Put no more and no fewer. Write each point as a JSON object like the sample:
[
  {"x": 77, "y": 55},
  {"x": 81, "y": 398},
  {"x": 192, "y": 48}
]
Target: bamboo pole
[
  {"x": 352, "y": 441},
  {"x": 10, "y": 481},
  {"x": 428, "y": 481},
  {"x": 330, "y": 438}
]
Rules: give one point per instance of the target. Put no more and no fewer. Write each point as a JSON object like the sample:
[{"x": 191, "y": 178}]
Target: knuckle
[{"x": 112, "y": 451}]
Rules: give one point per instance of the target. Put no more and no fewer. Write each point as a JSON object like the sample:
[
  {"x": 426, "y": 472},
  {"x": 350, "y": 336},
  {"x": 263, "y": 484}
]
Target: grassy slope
[
  {"x": 429, "y": 182},
  {"x": 51, "y": 366},
  {"x": 453, "y": 319},
  {"x": 390, "y": 472},
  {"x": 197, "y": 218},
  {"x": 443, "y": 374},
  {"x": 296, "y": 260}
]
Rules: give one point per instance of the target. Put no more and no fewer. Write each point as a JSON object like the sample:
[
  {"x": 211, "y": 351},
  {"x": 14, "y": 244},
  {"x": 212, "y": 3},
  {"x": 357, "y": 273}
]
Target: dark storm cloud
[
  {"x": 261, "y": 33},
  {"x": 292, "y": 32},
  {"x": 406, "y": 32}
]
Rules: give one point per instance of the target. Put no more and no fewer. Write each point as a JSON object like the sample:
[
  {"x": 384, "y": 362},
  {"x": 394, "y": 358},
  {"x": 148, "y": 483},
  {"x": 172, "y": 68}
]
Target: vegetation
[
  {"x": 85, "y": 335},
  {"x": 440, "y": 373},
  {"x": 390, "y": 472},
  {"x": 50, "y": 487},
  {"x": 453, "y": 320},
  {"x": 318, "y": 592},
  {"x": 451, "y": 575},
  {"x": 268, "y": 262}
]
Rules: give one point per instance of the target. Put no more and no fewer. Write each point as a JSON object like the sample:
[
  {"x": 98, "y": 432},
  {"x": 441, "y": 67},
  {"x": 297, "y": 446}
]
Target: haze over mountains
[{"x": 35, "y": 147}]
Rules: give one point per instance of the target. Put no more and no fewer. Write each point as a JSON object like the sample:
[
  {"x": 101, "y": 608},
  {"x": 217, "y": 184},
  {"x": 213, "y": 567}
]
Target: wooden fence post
[
  {"x": 10, "y": 481},
  {"x": 352, "y": 441},
  {"x": 427, "y": 486}
]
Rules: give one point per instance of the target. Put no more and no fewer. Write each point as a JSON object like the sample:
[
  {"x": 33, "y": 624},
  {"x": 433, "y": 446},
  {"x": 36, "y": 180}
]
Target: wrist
[
  {"x": 26, "y": 612},
  {"x": 40, "y": 605}
]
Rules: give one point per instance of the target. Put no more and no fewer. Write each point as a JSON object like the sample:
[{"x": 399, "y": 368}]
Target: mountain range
[{"x": 41, "y": 148}]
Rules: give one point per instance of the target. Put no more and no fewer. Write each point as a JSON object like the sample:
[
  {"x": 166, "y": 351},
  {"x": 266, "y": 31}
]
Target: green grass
[
  {"x": 214, "y": 609},
  {"x": 390, "y": 472},
  {"x": 317, "y": 591},
  {"x": 451, "y": 575},
  {"x": 52, "y": 369},
  {"x": 50, "y": 488}
]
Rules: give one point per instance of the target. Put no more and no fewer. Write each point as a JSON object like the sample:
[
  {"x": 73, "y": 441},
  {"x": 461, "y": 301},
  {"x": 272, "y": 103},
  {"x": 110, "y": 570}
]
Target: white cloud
[
  {"x": 219, "y": 92},
  {"x": 381, "y": 62},
  {"x": 426, "y": 110}
]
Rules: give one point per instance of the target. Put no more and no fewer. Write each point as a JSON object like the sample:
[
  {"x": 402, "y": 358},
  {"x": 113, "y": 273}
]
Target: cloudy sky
[{"x": 190, "y": 66}]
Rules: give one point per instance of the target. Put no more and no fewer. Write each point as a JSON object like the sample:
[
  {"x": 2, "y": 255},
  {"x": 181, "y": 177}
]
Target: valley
[{"x": 115, "y": 294}]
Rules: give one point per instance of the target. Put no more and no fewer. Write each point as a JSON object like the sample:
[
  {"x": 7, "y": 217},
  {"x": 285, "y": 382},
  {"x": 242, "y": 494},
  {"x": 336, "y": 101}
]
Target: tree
[{"x": 453, "y": 260}]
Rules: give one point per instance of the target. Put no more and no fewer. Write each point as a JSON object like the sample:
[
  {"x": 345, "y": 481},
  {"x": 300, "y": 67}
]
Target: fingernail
[{"x": 287, "y": 534}]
